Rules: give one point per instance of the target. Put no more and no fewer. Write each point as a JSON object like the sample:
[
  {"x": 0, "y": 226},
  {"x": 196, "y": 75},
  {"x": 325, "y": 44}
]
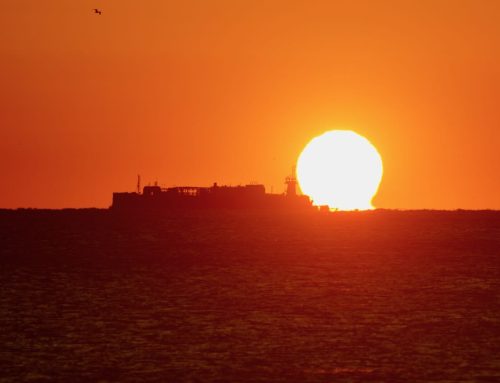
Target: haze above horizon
[{"x": 194, "y": 92}]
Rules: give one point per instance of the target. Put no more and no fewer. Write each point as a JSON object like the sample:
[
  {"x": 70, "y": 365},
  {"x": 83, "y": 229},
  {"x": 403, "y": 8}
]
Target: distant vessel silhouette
[{"x": 254, "y": 197}]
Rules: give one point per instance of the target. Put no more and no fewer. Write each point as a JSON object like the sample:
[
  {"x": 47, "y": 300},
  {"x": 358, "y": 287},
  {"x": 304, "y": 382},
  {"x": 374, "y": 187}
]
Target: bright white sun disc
[{"x": 341, "y": 169}]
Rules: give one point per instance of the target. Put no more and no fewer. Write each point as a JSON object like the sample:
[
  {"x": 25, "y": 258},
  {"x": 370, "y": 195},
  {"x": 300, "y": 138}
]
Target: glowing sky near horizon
[{"x": 195, "y": 92}]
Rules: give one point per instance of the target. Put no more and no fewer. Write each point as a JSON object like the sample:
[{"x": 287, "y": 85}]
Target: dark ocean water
[{"x": 218, "y": 296}]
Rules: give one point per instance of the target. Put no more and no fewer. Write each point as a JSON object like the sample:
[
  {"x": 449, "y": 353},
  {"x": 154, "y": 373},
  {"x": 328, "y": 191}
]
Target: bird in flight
[{"x": 97, "y": 11}]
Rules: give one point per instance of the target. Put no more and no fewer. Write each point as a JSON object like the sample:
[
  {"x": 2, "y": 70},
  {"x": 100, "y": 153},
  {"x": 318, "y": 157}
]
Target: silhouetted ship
[{"x": 251, "y": 197}]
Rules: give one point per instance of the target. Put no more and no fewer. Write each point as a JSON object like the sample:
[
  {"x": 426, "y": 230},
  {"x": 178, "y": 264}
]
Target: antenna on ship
[
  {"x": 291, "y": 184},
  {"x": 138, "y": 184}
]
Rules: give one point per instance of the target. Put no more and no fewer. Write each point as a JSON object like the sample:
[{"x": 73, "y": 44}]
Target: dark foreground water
[{"x": 379, "y": 296}]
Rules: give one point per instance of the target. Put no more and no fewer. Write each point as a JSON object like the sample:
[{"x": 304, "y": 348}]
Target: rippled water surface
[{"x": 232, "y": 296}]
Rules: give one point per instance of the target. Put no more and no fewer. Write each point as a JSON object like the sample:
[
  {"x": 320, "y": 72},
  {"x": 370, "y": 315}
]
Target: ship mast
[{"x": 291, "y": 184}]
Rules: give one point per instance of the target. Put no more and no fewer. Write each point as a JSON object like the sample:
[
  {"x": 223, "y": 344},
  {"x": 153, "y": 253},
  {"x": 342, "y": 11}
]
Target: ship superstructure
[{"x": 252, "y": 196}]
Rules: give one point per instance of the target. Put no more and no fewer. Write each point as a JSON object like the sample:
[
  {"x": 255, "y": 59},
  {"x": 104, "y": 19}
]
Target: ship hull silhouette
[{"x": 252, "y": 197}]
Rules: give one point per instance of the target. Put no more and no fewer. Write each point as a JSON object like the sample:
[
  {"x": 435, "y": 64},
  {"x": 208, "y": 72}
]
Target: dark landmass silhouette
[{"x": 220, "y": 295}]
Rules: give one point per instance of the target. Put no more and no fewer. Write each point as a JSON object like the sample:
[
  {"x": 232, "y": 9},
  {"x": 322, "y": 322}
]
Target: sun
[{"x": 341, "y": 169}]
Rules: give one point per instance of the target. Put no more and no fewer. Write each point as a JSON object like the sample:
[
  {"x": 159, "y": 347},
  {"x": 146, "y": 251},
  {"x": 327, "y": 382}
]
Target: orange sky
[{"x": 192, "y": 92}]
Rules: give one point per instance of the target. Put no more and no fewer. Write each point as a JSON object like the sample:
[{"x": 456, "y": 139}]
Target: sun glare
[{"x": 341, "y": 169}]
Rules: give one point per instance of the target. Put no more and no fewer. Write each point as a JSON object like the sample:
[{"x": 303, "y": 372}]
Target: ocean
[{"x": 209, "y": 296}]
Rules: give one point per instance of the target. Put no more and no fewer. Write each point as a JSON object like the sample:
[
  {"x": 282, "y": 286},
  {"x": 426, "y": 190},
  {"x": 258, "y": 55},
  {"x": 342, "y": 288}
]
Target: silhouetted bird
[{"x": 98, "y": 11}]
